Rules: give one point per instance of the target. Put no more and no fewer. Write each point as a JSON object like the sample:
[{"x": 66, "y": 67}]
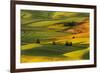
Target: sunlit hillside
[{"x": 54, "y": 36}]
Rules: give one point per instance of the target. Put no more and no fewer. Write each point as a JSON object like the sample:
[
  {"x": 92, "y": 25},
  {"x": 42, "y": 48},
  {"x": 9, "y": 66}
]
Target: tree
[
  {"x": 67, "y": 44},
  {"x": 73, "y": 37},
  {"x": 54, "y": 43},
  {"x": 38, "y": 41},
  {"x": 70, "y": 43},
  {"x": 70, "y": 23}
]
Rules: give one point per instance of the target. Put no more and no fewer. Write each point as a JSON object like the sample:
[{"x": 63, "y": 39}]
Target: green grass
[
  {"x": 52, "y": 50},
  {"x": 29, "y": 46}
]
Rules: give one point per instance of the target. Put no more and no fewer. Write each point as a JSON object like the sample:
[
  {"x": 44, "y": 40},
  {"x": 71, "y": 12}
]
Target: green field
[{"x": 46, "y": 36}]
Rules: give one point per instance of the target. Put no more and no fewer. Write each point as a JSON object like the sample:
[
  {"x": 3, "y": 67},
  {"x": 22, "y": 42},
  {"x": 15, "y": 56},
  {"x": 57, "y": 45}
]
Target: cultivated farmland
[{"x": 54, "y": 36}]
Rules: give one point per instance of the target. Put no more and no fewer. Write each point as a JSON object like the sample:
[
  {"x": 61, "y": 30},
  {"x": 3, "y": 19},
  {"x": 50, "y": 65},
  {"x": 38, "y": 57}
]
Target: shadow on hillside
[{"x": 53, "y": 50}]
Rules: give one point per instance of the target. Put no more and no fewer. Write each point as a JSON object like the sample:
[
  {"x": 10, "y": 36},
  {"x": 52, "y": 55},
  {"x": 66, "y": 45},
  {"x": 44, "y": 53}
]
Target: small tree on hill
[
  {"x": 70, "y": 43},
  {"x": 54, "y": 43},
  {"x": 73, "y": 37},
  {"x": 67, "y": 44},
  {"x": 72, "y": 23},
  {"x": 38, "y": 41}
]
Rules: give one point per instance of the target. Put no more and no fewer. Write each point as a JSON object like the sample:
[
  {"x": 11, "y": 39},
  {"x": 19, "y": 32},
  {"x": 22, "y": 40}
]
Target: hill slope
[{"x": 81, "y": 28}]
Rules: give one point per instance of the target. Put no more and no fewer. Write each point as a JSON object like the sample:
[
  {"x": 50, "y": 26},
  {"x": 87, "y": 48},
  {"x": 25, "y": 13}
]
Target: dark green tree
[
  {"x": 67, "y": 44},
  {"x": 38, "y": 41},
  {"x": 70, "y": 23},
  {"x": 54, "y": 43},
  {"x": 70, "y": 43}
]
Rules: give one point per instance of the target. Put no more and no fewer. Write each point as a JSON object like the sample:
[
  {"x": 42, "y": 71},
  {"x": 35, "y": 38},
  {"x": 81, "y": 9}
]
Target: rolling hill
[{"x": 53, "y": 29}]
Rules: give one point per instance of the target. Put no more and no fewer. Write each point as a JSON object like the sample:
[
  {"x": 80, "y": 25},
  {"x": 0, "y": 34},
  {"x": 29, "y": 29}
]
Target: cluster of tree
[
  {"x": 54, "y": 43},
  {"x": 70, "y": 23},
  {"x": 68, "y": 43}
]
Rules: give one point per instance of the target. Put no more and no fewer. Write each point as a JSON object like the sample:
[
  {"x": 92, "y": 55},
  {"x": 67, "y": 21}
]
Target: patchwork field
[{"x": 54, "y": 36}]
